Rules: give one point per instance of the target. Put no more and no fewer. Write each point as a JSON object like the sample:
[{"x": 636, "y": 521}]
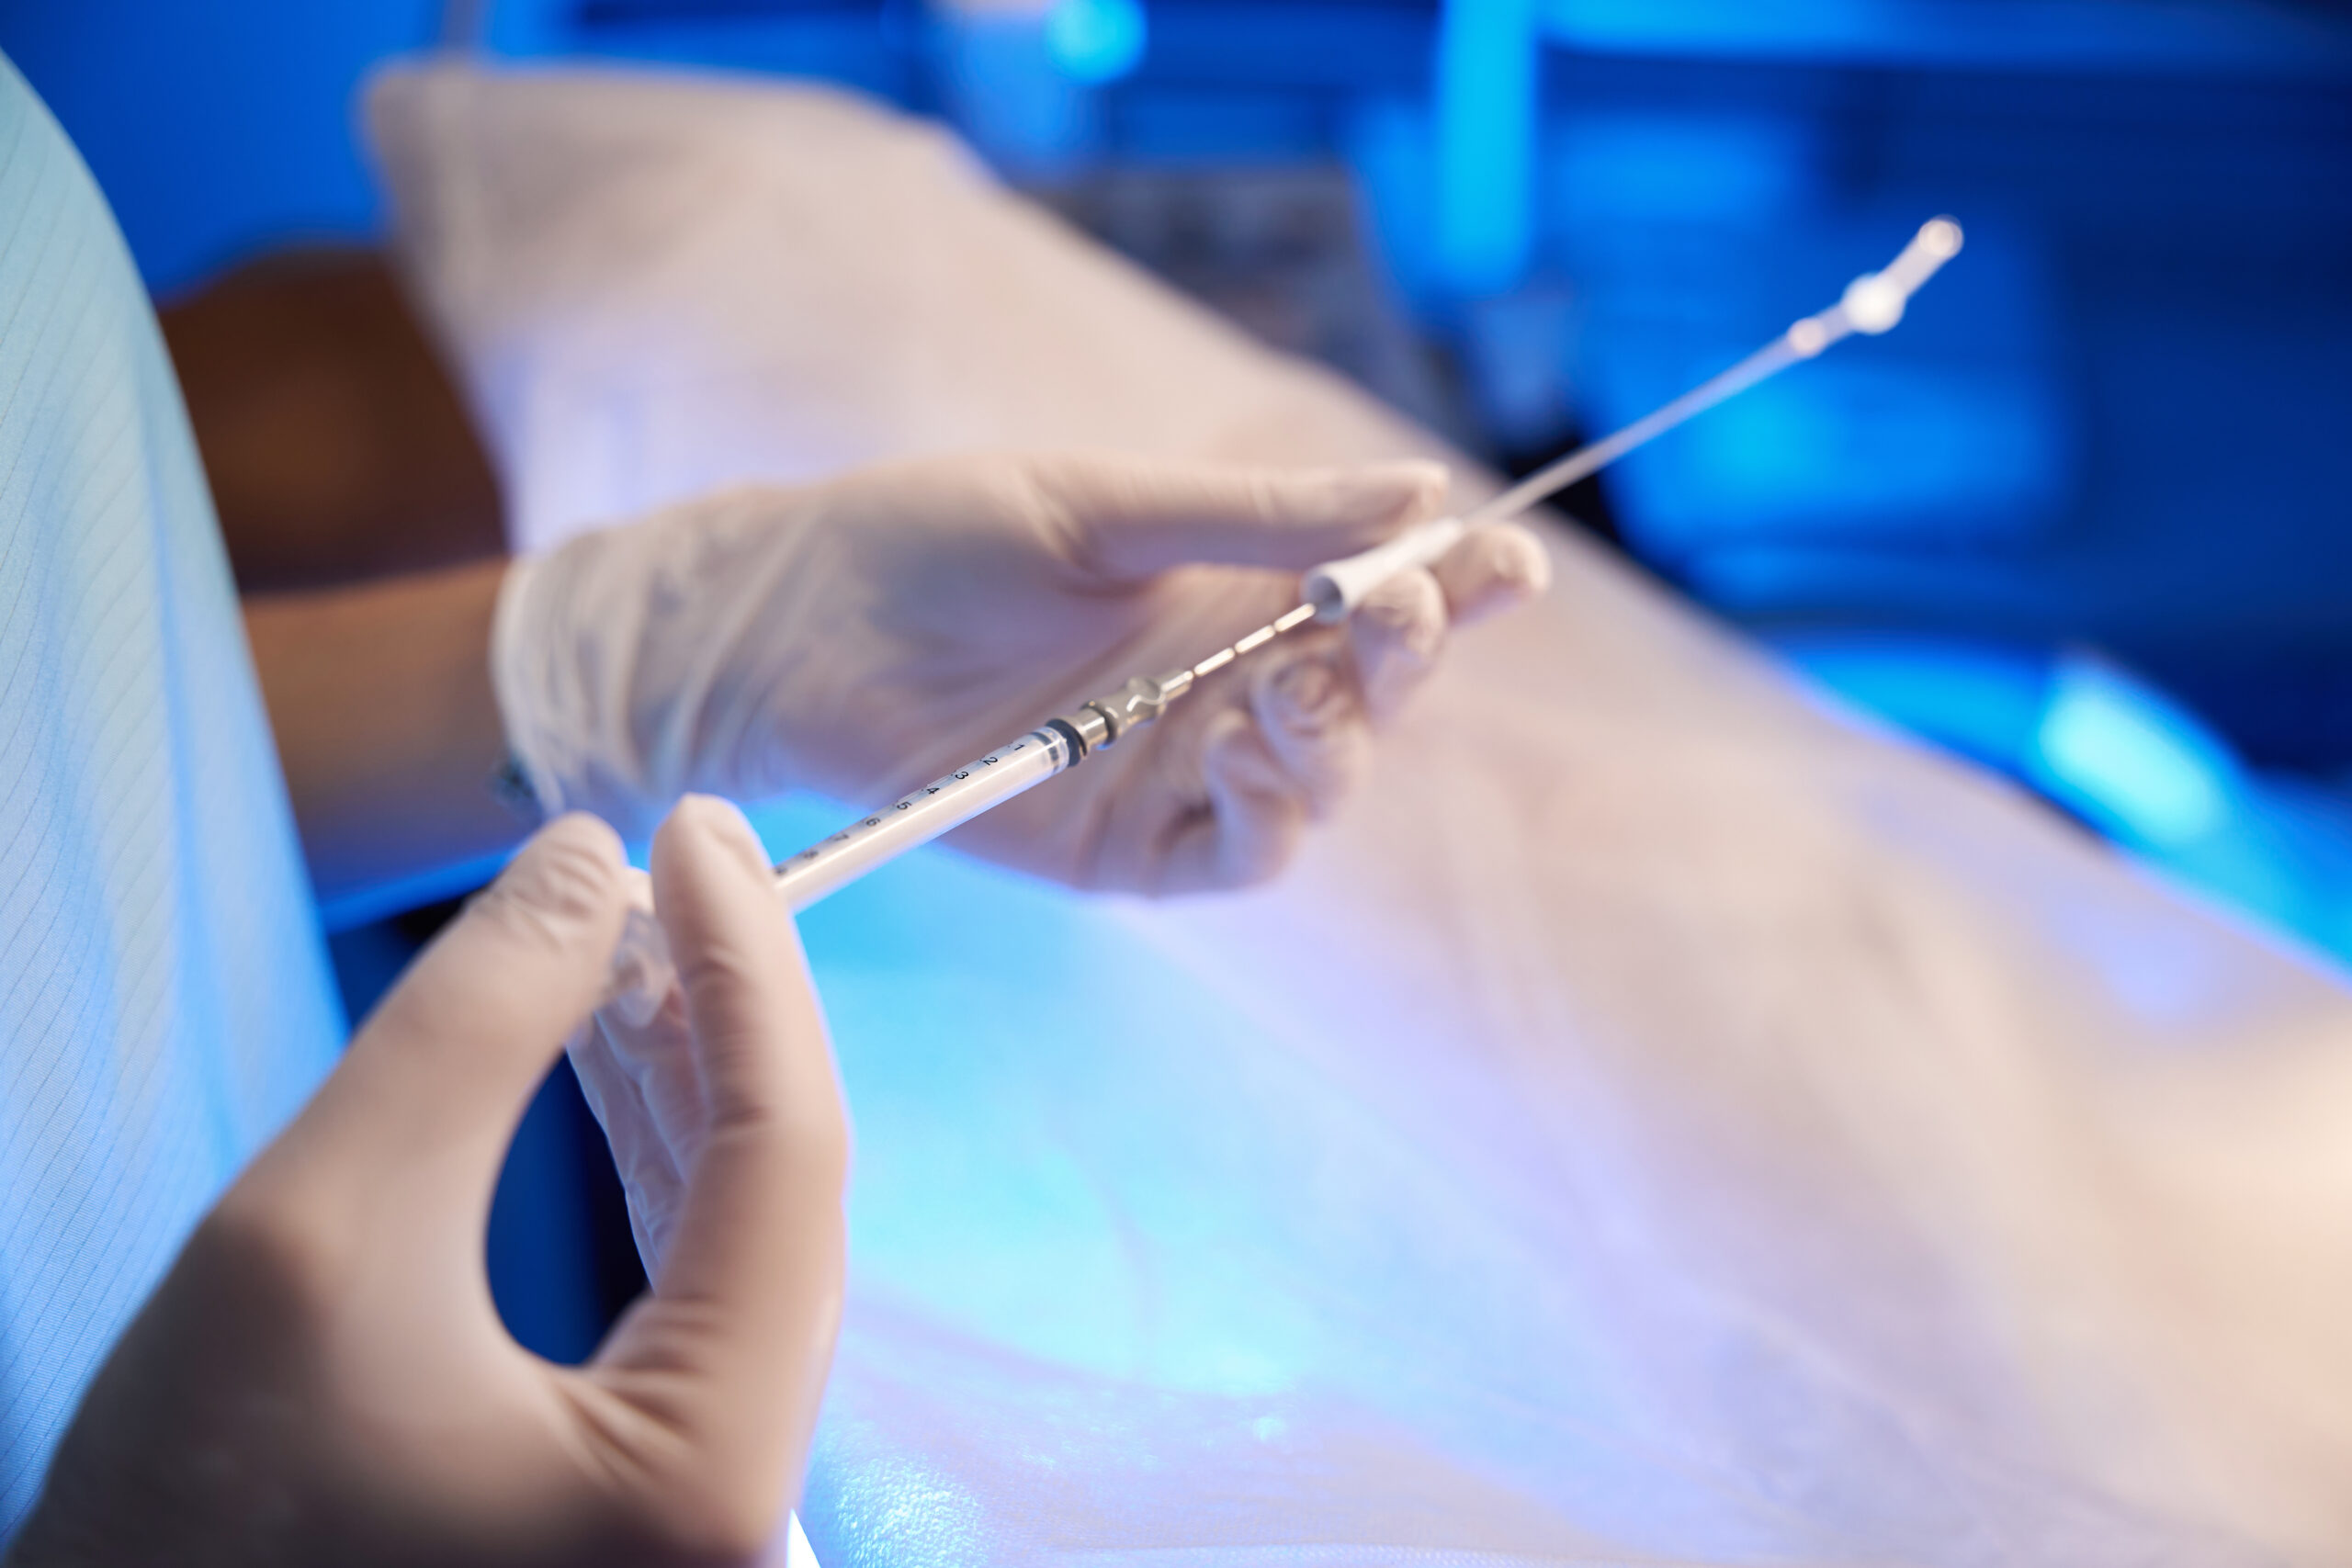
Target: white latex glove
[
  {"x": 322, "y": 1378},
  {"x": 641, "y": 1081},
  {"x": 863, "y": 636}
]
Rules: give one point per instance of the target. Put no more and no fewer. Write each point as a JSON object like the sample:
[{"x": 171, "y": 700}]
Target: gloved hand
[
  {"x": 322, "y": 1378},
  {"x": 862, "y": 637}
]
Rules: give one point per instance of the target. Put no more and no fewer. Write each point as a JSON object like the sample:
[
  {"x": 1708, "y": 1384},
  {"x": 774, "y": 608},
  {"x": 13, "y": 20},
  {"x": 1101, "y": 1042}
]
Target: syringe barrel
[
  {"x": 939, "y": 806},
  {"x": 642, "y": 967}
]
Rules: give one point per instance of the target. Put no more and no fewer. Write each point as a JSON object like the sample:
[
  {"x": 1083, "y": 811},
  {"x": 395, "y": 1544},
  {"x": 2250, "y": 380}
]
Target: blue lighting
[
  {"x": 1013, "y": 90},
  {"x": 1652, "y": 165},
  {"x": 1984, "y": 701},
  {"x": 2122, "y": 755},
  {"x": 1487, "y": 79},
  {"x": 2131, "y": 763},
  {"x": 1096, "y": 41},
  {"x": 1867, "y": 451},
  {"x": 1000, "y": 1142},
  {"x": 2022, "y": 35}
]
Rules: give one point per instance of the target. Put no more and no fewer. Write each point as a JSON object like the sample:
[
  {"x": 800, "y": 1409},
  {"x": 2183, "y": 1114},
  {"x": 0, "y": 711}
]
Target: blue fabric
[{"x": 164, "y": 997}]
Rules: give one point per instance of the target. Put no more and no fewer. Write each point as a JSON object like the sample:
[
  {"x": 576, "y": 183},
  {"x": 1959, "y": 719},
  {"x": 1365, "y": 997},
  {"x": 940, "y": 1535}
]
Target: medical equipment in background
[{"x": 1871, "y": 304}]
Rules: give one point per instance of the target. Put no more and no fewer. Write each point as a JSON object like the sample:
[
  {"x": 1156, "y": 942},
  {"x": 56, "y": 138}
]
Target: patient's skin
[
  {"x": 380, "y": 698},
  {"x": 322, "y": 1379},
  {"x": 364, "y": 527}
]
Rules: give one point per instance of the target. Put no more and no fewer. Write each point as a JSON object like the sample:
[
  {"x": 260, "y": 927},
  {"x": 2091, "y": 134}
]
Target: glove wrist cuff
[{"x": 527, "y": 781}]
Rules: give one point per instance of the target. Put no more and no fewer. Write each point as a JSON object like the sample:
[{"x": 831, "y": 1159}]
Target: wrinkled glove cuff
[
  {"x": 566, "y": 735},
  {"x": 603, "y": 654},
  {"x": 518, "y": 680}
]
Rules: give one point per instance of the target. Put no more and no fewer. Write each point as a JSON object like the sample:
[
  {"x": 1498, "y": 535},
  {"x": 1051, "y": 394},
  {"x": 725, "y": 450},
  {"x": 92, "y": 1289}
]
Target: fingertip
[
  {"x": 702, "y": 826},
  {"x": 1408, "y": 612},
  {"x": 1525, "y": 562},
  {"x": 570, "y": 875},
  {"x": 1496, "y": 567},
  {"x": 591, "y": 833}
]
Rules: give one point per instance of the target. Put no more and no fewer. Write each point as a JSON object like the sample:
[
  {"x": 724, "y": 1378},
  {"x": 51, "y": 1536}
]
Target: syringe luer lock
[{"x": 1872, "y": 303}]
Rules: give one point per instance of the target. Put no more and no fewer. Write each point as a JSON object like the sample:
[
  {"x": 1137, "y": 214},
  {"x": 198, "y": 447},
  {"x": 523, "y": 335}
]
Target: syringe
[
  {"x": 641, "y": 967},
  {"x": 1872, "y": 303}
]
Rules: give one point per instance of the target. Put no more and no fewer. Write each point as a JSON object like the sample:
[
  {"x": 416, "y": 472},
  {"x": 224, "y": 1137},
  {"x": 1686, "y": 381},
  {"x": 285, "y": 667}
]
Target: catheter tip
[
  {"x": 1940, "y": 238},
  {"x": 1873, "y": 303}
]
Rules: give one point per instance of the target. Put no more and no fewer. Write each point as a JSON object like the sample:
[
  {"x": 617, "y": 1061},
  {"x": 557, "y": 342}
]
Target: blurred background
[{"x": 2082, "y": 518}]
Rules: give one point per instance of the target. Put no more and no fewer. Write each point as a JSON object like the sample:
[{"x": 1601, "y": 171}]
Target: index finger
[
  {"x": 1129, "y": 518},
  {"x": 739, "y": 1331}
]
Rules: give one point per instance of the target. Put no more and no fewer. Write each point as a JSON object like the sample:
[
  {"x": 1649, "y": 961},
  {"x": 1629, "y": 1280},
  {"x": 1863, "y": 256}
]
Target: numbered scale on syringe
[{"x": 915, "y": 819}]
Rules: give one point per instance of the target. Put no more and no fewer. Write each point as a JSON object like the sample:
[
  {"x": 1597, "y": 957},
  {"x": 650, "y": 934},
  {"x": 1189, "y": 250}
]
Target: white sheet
[{"x": 1662, "y": 1120}]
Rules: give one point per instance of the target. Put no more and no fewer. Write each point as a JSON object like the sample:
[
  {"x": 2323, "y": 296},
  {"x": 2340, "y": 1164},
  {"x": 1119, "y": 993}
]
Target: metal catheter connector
[{"x": 1102, "y": 720}]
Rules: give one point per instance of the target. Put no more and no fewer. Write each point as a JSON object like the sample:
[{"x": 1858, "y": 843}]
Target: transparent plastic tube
[{"x": 643, "y": 970}]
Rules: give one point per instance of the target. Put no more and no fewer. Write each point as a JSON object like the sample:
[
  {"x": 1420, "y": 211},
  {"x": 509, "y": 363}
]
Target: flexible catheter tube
[{"x": 1872, "y": 303}]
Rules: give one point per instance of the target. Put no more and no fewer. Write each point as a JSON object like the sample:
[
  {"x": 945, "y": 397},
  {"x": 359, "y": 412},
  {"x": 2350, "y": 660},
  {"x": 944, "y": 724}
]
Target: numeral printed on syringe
[{"x": 847, "y": 835}]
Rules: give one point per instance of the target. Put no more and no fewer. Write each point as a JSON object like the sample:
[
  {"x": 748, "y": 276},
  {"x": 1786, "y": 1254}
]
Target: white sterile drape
[{"x": 1663, "y": 1119}]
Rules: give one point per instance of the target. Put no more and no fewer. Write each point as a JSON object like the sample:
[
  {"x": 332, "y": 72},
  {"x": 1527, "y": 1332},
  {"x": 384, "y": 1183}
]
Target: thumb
[
  {"x": 1130, "y": 519},
  {"x": 427, "y": 1097}
]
